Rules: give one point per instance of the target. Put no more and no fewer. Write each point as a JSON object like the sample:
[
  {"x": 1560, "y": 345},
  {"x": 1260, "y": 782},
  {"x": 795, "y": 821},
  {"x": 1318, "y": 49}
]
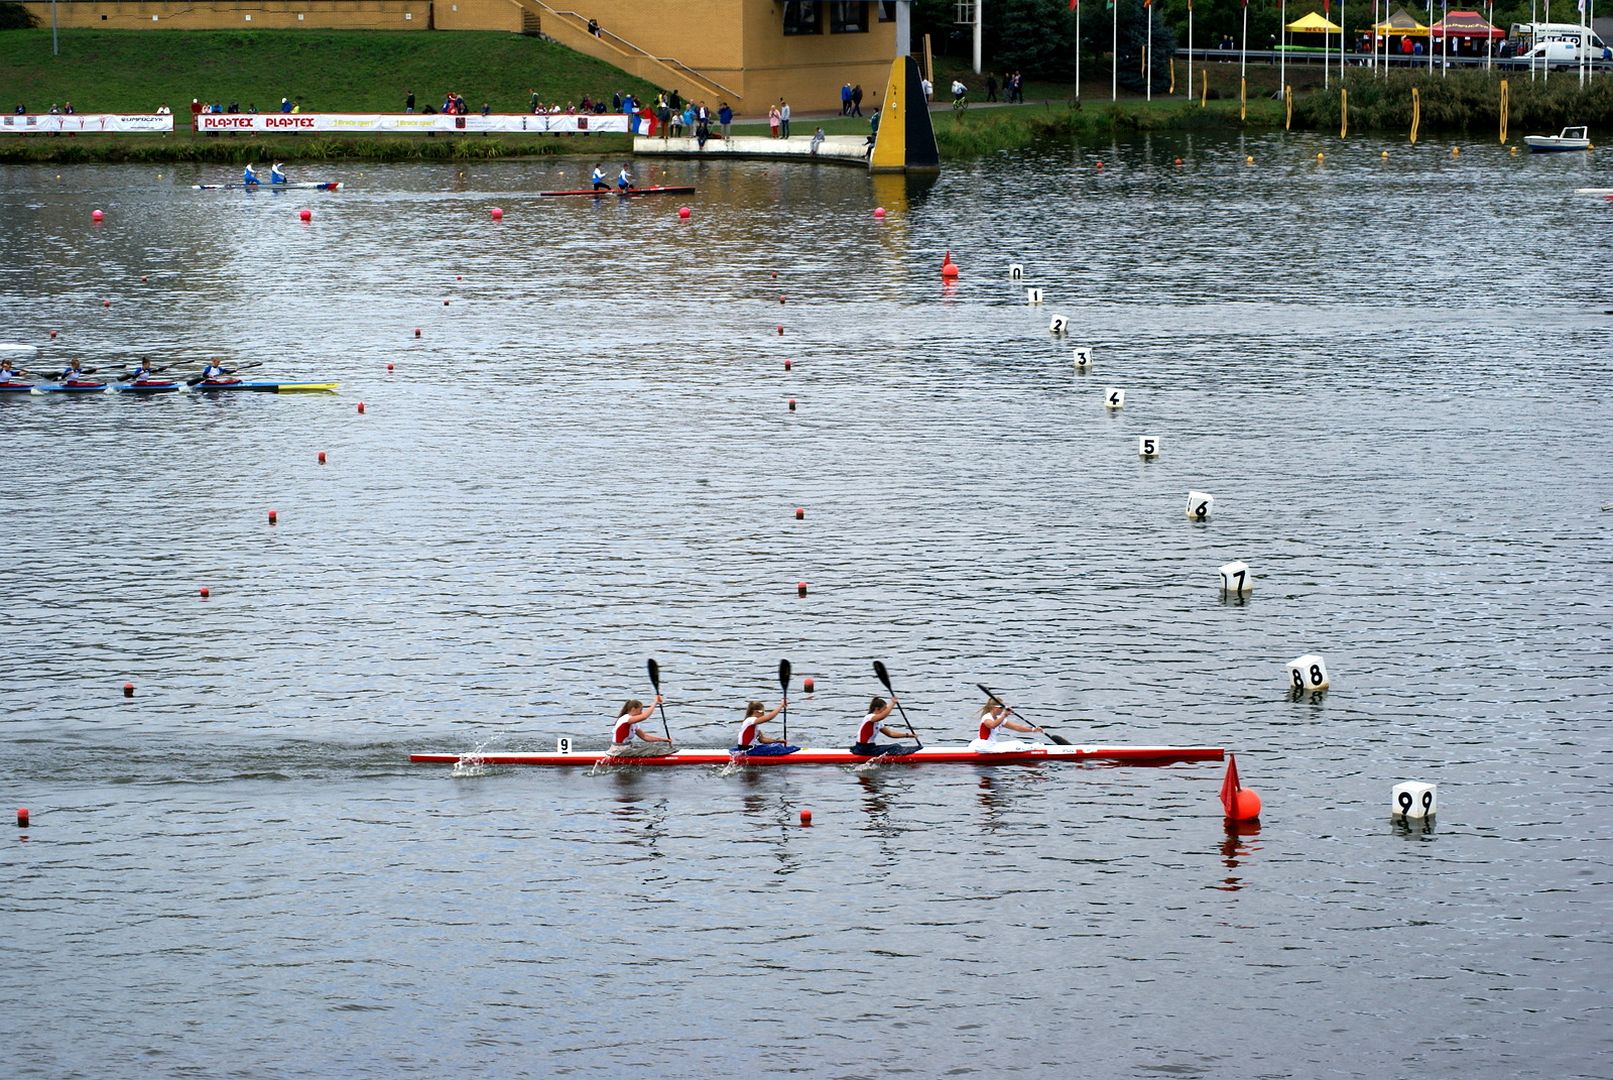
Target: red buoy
[
  {"x": 786, "y": 365},
  {"x": 389, "y": 366},
  {"x": 96, "y": 215},
  {"x": 781, "y": 329},
  {"x": 683, "y": 212},
  {"x": 781, "y": 298},
  {"x": 305, "y": 214},
  {"x": 204, "y": 592},
  {"x": 1239, "y": 802},
  {"x": 1100, "y": 163},
  {"x": 807, "y": 684},
  {"x": 106, "y": 303},
  {"x": 879, "y": 212},
  {"x": 792, "y": 404},
  {"x": 53, "y": 334},
  {"x": 144, "y": 280},
  {"x": 949, "y": 269},
  {"x": 800, "y": 588},
  {"x": 498, "y": 213},
  {"x": 128, "y": 689},
  {"x": 806, "y": 816},
  {"x": 1246, "y": 806},
  {"x": 445, "y": 303},
  {"x": 361, "y": 406},
  {"x": 322, "y": 457},
  {"x": 274, "y": 517},
  {"x": 22, "y": 817},
  {"x": 775, "y": 275},
  {"x": 800, "y": 513},
  {"x": 417, "y": 331}
]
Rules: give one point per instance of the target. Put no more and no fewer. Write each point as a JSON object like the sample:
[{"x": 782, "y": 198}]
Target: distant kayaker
[
  {"x": 216, "y": 373},
  {"x": 600, "y": 183},
  {"x": 753, "y": 740},
  {"x": 9, "y": 374},
  {"x": 624, "y": 180},
  {"x": 249, "y": 176},
  {"x": 994, "y": 717},
  {"x": 142, "y": 372},
  {"x": 630, "y": 740},
  {"x": 874, "y": 725},
  {"x": 276, "y": 175}
]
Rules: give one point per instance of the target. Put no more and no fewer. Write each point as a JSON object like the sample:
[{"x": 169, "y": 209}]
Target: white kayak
[{"x": 324, "y": 185}]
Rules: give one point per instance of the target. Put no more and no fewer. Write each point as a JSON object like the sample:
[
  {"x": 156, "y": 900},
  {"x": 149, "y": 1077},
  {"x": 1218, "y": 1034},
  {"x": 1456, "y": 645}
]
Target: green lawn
[{"x": 134, "y": 71}]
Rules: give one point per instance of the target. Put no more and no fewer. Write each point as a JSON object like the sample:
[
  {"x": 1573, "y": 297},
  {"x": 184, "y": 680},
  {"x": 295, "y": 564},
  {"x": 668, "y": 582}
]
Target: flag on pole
[
  {"x": 1230, "y": 786},
  {"x": 1074, "y": 4}
]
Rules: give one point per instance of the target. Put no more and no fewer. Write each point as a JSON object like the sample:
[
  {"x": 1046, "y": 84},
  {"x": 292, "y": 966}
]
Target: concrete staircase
[{"x": 571, "y": 30}]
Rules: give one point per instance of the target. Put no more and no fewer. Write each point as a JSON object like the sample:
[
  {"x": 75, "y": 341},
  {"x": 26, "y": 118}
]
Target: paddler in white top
[
  {"x": 73, "y": 374},
  {"x": 874, "y": 725},
  {"x": 142, "y": 373},
  {"x": 624, "y": 179},
  {"x": 753, "y": 740},
  {"x": 599, "y": 180},
  {"x": 994, "y": 718},
  {"x": 249, "y": 176},
  {"x": 276, "y": 176},
  {"x": 8, "y": 374},
  {"x": 216, "y": 373},
  {"x": 628, "y": 737}
]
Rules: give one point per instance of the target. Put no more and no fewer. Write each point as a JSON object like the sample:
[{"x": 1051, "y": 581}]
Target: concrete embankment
[{"x": 835, "y": 149}]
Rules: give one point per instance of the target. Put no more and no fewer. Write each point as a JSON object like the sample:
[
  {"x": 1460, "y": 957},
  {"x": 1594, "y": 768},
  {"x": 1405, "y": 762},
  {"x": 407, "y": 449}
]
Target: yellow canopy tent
[{"x": 1313, "y": 23}]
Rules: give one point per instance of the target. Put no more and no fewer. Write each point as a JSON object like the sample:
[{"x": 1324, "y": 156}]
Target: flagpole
[
  {"x": 1243, "y": 47},
  {"x": 1114, "y": 50},
  {"x": 1077, "y": 5},
  {"x": 1489, "y": 39},
  {"x": 1190, "y": 50},
  {"x": 1341, "y": 42},
  {"x": 1430, "y": 38},
  {"x": 1282, "y": 53},
  {"x": 1148, "y": 57}
]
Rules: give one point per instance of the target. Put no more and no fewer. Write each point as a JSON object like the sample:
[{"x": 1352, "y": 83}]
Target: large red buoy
[
  {"x": 96, "y": 215},
  {"x": 806, "y": 816},
  {"x": 305, "y": 214},
  {"x": 807, "y": 684},
  {"x": 498, "y": 213},
  {"x": 949, "y": 269},
  {"x": 800, "y": 588},
  {"x": 879, "y": 212},
  {"x": 22, "y": 816},
  {"x": 1239, "y": 802},
  {"x": 128, "y": 689},
  {"x": 683, "y": 212}
]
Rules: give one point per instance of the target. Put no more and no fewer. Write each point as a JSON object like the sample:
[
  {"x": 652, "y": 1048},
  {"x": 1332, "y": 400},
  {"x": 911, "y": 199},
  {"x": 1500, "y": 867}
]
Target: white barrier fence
[
  {"x": 371, "y": 123},
  {"x": 81, "y": 123}
]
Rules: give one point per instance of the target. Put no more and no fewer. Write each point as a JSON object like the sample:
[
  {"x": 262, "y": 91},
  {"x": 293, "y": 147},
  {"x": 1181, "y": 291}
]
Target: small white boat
[{"x": 1572, "y": 138}]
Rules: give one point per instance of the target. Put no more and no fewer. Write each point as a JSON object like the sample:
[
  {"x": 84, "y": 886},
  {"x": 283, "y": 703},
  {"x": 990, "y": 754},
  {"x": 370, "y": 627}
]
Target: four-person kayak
[
  {"x": 168, "y": 387},
  {"x": 602, "y": 192},
  {"x": 929, "y": 755}
]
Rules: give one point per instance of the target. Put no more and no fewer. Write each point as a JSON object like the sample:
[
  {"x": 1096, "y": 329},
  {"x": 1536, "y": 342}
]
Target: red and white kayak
[
  {"x": 930, "y": 755},
  {"x": 600, "y": 193}
]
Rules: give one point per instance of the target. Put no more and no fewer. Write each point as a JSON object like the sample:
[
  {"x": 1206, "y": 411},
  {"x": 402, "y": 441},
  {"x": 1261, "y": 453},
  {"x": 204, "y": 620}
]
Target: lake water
[{"x": 1392, "y": 374}]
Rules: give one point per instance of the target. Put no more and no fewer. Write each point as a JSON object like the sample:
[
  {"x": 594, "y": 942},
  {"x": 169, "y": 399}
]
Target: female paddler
[
  {"x": 994, "y": 717},
  {"x": 753, "y": 740},
  {"x": 873, "y": 726},
  {"x": 9, "y": 375},
  {"x": 628, "y": 737}
]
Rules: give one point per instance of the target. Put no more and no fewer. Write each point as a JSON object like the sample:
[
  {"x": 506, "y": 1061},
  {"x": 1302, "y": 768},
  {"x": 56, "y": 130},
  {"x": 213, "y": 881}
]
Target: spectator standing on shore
[
  {"x": 817, "y": 141},
  {"x": 702, "y": 132},
  {"x": 664, "y": 115},
  {"x": 845, "y": 99},
  {"x": 195, "y": 113},
  {"x": 285, "y": 104},
  {"x": 532, "y": 105},
  {"x": 857, "y": 100},
  {"x": 773, "y": 120},
  {"x": 164, "y": 110},
  {"x": 991, "y": 88},
  {"x": 928, "y": 87},
  {"x": 725, "y": 117},
  {"x": 408, "y": 101},
  {"x": 783, "y": 118}
]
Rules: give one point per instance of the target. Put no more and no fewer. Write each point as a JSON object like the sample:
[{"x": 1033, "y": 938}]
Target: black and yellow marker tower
[{"x": 906, "y": 141}]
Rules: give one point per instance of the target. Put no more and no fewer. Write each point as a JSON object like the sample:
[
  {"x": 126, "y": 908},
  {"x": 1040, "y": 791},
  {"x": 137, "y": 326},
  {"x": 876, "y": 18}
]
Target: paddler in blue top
[
  {"x": 74, "y": 375},
  {"x": 599, "y": 179},
  {"x": 624, "y": 179},
  {"x": 8, "y": 374},
  {"x": 249, "y": 176},
  {"x": 216, "y": 374},
  {"x": 275, "y": 175},
  {"x": 143, "y": 373}
]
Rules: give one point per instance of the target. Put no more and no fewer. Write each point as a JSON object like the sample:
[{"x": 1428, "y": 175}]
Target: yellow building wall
[
  {"x": 259, "y": 15},
  {"x": 478, "y": 15}
]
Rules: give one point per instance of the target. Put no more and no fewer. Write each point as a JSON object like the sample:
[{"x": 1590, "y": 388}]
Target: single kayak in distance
[
  {"x": 324, "y": 185},
  {"x": 929, "y": 755},
  {"x": 600, "y": 193}
]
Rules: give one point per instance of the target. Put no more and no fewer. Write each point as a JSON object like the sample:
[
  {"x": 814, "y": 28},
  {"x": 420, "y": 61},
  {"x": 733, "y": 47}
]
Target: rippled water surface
[{"x": 1392, "y": 374}]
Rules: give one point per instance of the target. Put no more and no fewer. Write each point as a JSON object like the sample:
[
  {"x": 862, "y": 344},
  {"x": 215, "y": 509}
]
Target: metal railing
[{"x": 622, "y": 45}]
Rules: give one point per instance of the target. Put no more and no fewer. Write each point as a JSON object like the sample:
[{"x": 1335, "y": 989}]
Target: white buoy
[
  {"x": 1147, "y": 446},
  {"x": 1198, "y": 505},
  {"x": 1083, "y": 358},
  {"x": 1033, "y": 296},
  {"x": 1016, "y": 272},
  {"x": 1058, "y": 325},
  {"x": 1413, "y": 800},
  {"x": 1235, "y": 578},
  {"x": 1307, "y": 673},
  {"x": 1114, "y": 397},
  {"x": 562, "y": 745}
]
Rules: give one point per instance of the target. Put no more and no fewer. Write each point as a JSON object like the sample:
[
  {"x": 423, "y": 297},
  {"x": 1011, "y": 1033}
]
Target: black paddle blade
[
  {"x": 884, "y": 676},
  {"x": 784, "y": 675},
  {"x": 989, "y": 694},
  {"x": 655, "y": 673},
  {"x": 1060, "y": 739}
]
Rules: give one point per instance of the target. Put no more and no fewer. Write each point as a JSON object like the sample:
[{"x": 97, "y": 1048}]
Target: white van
[
  {"x": 1530, "y": 36},
  {"x": 1558, "y": 54}
]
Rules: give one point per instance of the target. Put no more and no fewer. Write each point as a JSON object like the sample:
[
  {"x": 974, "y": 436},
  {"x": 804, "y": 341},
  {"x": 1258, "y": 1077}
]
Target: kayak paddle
[
  {"x": 784, "y": 685},
  {"x": 884, "y": 677},
  {"x": 1060, "y": 739},
  {"x": 655, "y": 681}
]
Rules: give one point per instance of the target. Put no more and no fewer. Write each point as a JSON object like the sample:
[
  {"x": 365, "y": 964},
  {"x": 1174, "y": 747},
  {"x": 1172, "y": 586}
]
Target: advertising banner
[
  {"x": 405, "y": 123},
  {"x": 81, "y": 123}
]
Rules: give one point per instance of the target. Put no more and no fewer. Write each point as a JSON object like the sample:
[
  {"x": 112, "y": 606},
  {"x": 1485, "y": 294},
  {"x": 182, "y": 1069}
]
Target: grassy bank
[{"x": 135, "y": 71}]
